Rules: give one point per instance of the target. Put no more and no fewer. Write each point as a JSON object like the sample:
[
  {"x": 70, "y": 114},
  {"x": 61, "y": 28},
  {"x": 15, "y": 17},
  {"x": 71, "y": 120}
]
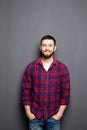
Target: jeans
[{"x": 42, "y": 124}]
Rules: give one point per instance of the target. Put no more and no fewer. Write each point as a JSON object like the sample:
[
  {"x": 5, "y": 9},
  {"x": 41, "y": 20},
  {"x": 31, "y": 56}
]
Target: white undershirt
[{"x": 46, "y": 67}]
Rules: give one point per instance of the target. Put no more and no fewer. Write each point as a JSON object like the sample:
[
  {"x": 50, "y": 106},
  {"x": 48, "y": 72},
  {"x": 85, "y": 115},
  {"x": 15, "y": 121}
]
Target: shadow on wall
[{"x": 24, "y": 119}]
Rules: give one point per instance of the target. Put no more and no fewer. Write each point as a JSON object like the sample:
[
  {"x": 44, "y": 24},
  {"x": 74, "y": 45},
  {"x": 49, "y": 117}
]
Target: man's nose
[{"x": 47, "y": 47}]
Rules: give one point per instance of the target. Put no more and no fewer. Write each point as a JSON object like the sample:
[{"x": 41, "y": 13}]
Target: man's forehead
[{"x": 47, "y": 41}]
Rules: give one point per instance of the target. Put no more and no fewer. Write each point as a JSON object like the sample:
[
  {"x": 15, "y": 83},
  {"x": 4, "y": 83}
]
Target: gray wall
[{"x": 22, "y": 24}]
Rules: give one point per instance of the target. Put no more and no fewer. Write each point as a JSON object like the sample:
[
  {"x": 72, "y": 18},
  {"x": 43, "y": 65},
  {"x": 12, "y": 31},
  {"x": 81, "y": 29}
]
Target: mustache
[{"x": 47, "y": 51}]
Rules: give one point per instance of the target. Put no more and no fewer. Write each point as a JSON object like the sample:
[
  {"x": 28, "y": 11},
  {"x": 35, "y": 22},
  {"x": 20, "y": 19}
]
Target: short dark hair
[{"x": 48, "y": 37}]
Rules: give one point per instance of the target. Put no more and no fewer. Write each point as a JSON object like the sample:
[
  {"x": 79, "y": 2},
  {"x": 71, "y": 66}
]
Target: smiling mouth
[{"x": 46, "y": 51}]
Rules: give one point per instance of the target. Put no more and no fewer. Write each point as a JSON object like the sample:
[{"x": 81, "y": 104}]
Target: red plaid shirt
[{"x": 44, "y": 90}]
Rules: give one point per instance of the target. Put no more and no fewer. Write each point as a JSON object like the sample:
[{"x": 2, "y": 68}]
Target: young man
[{"x": 45, "y": 88}]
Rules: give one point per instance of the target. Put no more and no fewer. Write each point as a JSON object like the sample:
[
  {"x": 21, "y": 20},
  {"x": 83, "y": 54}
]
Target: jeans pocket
[
  {"x": 54, "y": 119},
  {"x": 32, "y": 119}
]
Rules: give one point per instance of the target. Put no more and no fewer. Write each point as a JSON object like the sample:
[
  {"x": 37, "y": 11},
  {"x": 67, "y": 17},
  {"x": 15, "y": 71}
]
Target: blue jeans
[{"x": 42, "y": 124}]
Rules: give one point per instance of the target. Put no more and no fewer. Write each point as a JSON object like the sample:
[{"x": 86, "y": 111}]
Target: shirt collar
[{"x": 55, "y": 61}]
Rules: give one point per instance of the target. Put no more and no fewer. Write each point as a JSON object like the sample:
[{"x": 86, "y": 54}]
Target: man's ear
[
  {"x": 55, "y": 48},
  {"x": 40, "y": 47}
]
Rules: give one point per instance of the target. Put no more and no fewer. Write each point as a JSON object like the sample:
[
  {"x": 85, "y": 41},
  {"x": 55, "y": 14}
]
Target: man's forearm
[
  {"x": 28, "y": 112},
  {"x": 27, "y": 108},
  {"x": 59, "y": 115},
  {"x": 62, "y": 109}
]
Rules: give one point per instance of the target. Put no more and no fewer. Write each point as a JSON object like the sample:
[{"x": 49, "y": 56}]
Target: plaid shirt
[{"x": 44, "y": 90}]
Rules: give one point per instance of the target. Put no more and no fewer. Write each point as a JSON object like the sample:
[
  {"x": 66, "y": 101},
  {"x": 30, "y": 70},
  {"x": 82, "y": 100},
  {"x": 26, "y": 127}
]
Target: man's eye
[
  {"x": 43, "y": 45},
  {"x": 50, "y": 45}
]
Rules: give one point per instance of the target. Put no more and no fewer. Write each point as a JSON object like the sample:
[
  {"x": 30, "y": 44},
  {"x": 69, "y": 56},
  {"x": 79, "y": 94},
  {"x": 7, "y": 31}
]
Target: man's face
[{"x": 47, "y": 48}]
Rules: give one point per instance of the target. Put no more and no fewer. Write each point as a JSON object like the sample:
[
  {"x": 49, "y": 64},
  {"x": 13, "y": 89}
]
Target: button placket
[{"x": 46, "y": 90}]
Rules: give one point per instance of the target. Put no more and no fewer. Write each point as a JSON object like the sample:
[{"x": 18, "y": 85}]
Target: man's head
[{"x": 47, "y": 46}]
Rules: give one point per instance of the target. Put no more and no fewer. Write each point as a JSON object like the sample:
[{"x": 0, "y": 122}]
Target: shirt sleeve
[
  {"x": 65, "y": 87},
  {"x": 26, "y": 87}
]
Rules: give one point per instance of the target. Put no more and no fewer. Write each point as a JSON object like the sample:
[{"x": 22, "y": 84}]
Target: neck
[{"x": 47, "y": 60}]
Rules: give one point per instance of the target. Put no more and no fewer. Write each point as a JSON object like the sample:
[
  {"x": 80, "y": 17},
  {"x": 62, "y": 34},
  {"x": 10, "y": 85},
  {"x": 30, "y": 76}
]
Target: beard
[{"x": 46, "y": 56}]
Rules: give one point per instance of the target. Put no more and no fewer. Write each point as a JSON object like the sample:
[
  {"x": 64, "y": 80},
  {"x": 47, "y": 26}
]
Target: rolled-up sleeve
[
  {"x": 65, "y": 87},
  {"x": 26, "y": 87}
]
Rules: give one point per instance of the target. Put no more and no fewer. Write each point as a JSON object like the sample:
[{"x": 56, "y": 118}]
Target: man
[{"x": 45, "y": 88}]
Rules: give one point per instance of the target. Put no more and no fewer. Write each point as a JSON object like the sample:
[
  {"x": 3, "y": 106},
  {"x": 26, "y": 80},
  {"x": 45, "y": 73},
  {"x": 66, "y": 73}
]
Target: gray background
[{"x": 22, "y": 24}]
